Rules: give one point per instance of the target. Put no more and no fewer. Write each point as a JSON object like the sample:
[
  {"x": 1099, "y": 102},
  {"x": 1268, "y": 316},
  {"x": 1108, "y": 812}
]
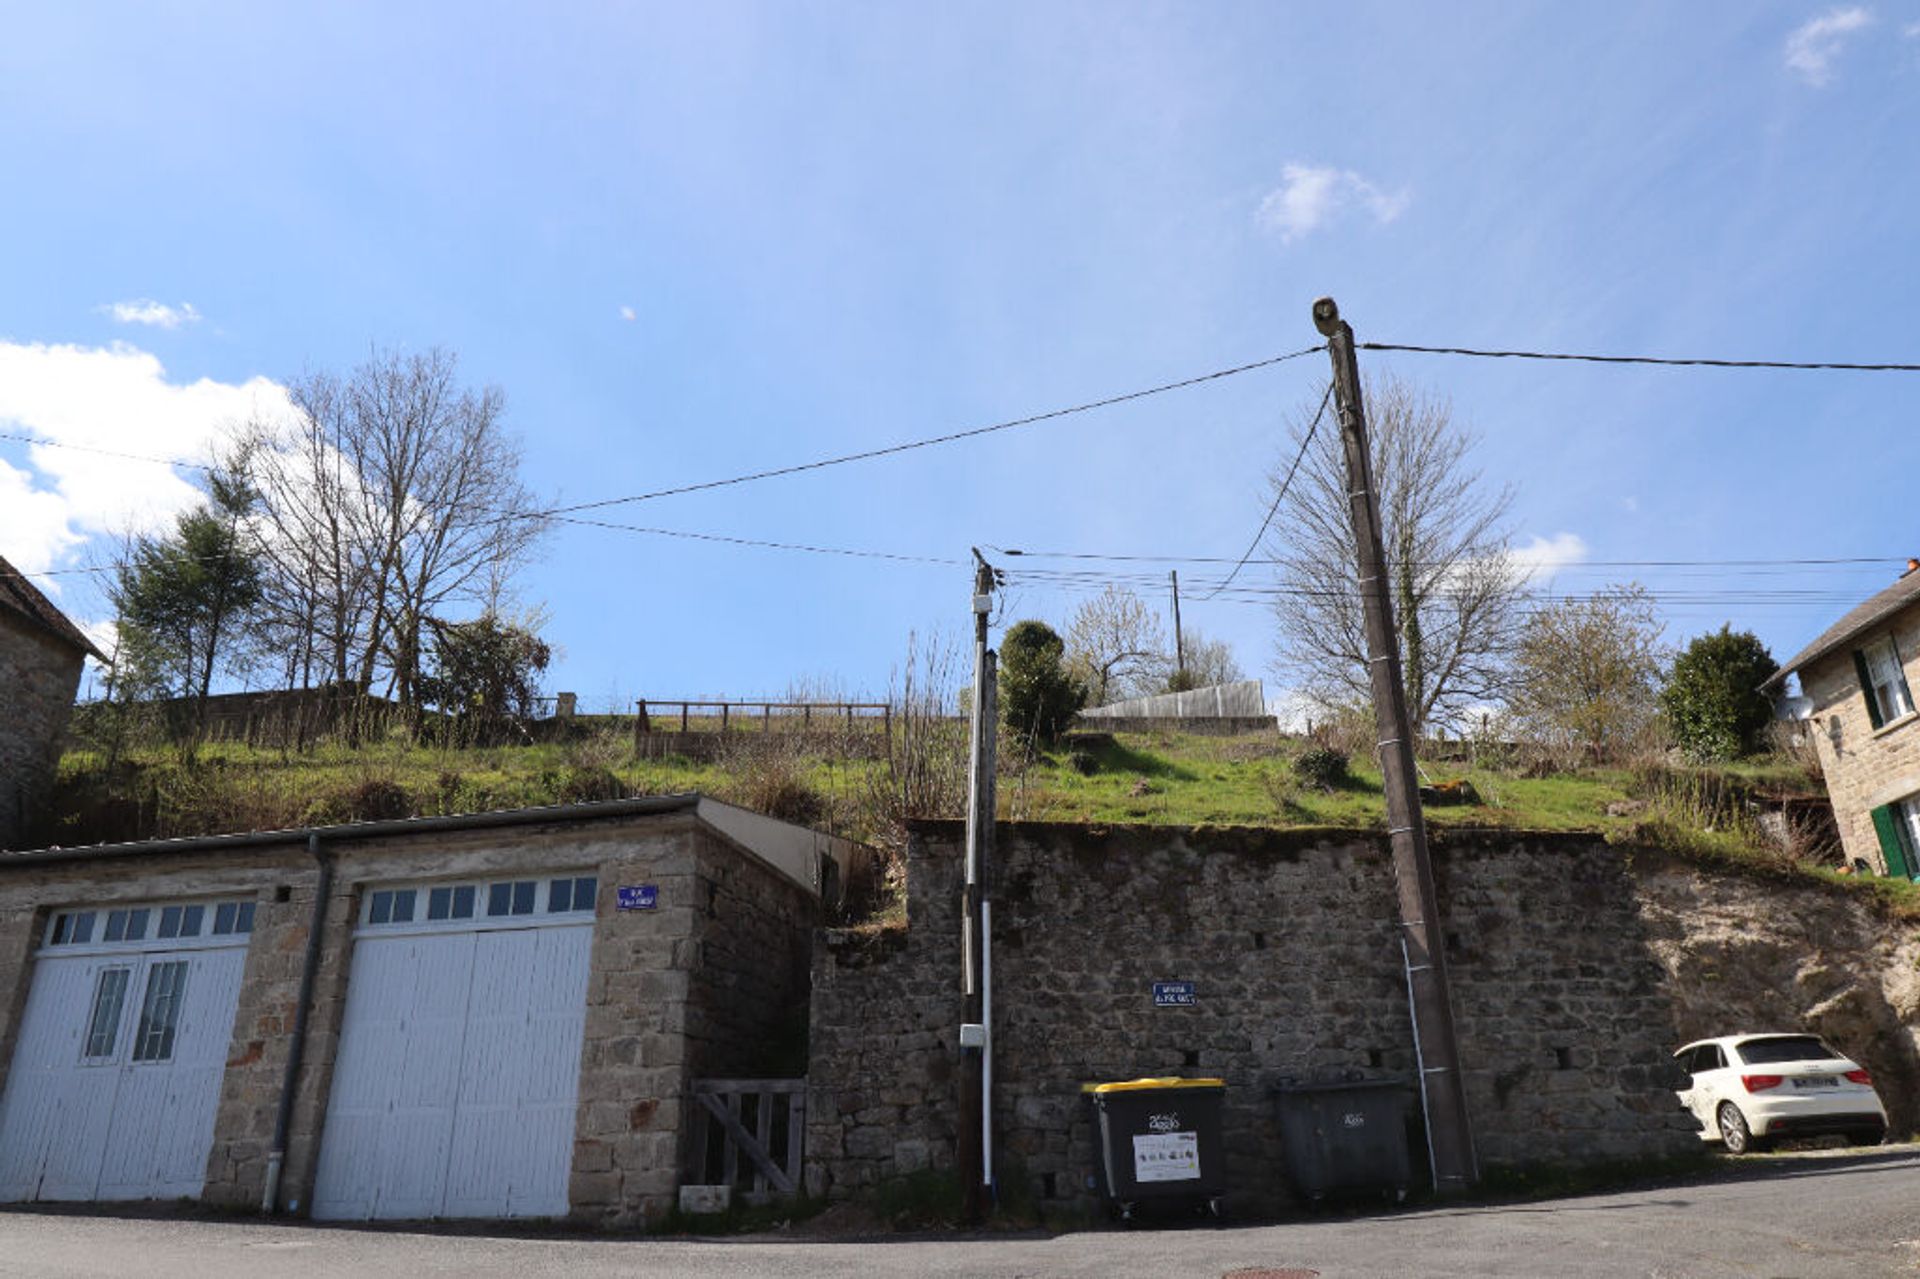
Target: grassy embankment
[{"x": 1153, "y": 778}]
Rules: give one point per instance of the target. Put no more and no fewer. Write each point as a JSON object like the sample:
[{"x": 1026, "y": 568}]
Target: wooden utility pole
[
  {"x": 975, "y": 1076},
  {"x": 1449, "y": 1130},
  {"x": 1179, "y": 644}
]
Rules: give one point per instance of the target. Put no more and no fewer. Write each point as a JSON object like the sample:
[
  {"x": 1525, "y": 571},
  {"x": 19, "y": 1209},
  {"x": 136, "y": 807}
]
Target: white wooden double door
[
  {"x": 116, "y": 1076},
  {"x": 456, "y": 1084}
]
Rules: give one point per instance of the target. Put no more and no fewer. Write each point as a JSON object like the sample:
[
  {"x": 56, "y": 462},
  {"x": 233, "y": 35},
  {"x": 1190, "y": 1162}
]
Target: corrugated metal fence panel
[{"x": 1246, "y": 699}]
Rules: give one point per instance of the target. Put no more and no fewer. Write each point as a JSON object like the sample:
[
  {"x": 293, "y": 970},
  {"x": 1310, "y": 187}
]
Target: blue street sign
[
  {"x": 1173, "y": 994},
  {"x": 638, "y": 896}
]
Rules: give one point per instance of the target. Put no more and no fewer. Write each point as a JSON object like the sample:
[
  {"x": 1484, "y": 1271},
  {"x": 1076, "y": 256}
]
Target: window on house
[
  {"x": 571, "y": 894},
  {"x": 72, "y": 928},
  {"x": 1898, "y": 827},
  {"x": 512, "y": 898},
  {"x": 391, "y": 906},
  {"x": 126, "y": 925},
  {"x": 160, "y": 1011},
  {"x": 103, "y": 1023},
  {"x": 1883, "y": 682},
  {"x": 455, "y": 902},
  {"x": 232, "y": 917},
  {"x": 181, "y": 921}
]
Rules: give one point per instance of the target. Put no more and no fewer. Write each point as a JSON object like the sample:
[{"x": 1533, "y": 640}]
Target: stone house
[
  {"x": 1858, "y": 679},
  {"x": 41, "y": 655},
  {"x": 490, "y": 1015},
  {"x": 1288, "y": 939}
]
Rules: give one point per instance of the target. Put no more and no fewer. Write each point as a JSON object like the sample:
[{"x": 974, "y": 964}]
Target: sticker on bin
[
  {"x": 1173, "y": 994},
  {"x": 1166, "y": 1156}
]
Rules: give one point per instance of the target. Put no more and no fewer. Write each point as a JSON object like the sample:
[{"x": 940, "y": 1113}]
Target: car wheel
[
  {"x": 1866, "y": 1136},
  {"x": 1734, "y": 1133}
]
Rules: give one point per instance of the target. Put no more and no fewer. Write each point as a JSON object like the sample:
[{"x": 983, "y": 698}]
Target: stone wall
[
  {"x": 747, "y": 1016},
  {"x": 1577, "y": 968},
  {"x": 38, "y": 677},
  {"x": 1865, "y": 766},
  {"x": 633, "y": 1071}
]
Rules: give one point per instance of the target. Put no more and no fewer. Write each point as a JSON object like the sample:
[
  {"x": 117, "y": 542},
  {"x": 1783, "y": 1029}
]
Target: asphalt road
[{"x": 1846, "y": 1213}]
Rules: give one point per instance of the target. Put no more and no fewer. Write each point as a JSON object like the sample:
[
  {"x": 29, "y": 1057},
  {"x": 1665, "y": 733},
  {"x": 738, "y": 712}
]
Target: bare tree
[
  {"x": 1457, "y": 589},
  {"x": 392, "y": 495},
  {"x": 1117, "y": 648},
  {"x": 314, "y": 533},
  {"x": 1209, "y": 662}
]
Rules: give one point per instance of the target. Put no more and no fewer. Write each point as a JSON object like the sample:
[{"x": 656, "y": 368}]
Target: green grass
[
  {"x": 1170, "y": 779},
  {"x": 1190, "y": 780}
]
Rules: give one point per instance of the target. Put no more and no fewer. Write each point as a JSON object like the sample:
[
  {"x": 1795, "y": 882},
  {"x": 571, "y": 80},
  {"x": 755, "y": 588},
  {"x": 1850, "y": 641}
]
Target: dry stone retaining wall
[{"x": 1577, "y": 968}]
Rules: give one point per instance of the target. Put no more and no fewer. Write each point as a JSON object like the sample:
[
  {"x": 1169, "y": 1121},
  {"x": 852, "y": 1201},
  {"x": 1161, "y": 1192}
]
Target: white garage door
[
  {"x": 458, "y": 1074},
  {"x": 122, "y": 1049}
]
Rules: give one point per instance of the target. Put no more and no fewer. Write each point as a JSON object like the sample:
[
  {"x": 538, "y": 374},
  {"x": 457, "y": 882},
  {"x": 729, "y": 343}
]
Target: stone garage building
[{"x": 492, "y": 1015}]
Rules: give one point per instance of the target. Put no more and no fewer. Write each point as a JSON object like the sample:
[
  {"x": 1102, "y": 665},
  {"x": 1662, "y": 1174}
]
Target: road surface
[{"x": 1828, "y": 1213}]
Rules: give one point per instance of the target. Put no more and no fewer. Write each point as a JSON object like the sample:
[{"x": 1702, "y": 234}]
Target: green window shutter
[
  {"x": 1886, "y": 825},
  {"x": 1866, "y": 687}
]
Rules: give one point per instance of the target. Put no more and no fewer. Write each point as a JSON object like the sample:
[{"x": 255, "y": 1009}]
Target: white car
[{"x": 1747, "y": 1090}]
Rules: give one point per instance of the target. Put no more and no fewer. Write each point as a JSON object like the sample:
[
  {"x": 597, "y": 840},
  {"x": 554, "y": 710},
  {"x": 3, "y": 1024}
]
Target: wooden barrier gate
[{"x": 749, "y": 1134}]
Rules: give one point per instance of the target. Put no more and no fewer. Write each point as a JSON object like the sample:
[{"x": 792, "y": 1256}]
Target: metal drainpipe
[{"x": 283, "y": 1120}]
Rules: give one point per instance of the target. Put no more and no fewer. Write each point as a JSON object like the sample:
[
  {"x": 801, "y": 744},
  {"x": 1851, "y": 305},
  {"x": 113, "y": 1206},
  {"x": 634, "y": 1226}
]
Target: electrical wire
[
  {"x": 1280, "y": 496},
  {"x": 910, "y": 445},
  {"x": 905, "y": 446},
  {"x": 1221, "y": 559},
  {"x": 1642, "y": 359},
  {"x": 88, "y": 448}
]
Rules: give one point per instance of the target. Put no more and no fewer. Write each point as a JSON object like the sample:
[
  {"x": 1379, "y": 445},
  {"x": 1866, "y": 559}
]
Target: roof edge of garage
[{"x": 647, "y": 804}]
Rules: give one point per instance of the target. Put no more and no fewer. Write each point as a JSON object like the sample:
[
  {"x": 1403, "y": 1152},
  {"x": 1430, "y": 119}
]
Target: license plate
[{"x": 1815, "y": 1081}]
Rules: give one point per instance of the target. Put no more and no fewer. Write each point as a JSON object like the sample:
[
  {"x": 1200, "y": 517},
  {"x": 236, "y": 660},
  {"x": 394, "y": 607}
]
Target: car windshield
[{"x": 1760, "y": 1052}]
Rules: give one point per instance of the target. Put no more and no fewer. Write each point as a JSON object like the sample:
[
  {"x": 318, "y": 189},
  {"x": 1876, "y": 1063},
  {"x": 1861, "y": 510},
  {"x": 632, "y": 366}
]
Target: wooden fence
[
  {"x": 749, "y": 1134},
  {"x": 654, "y": 717}
]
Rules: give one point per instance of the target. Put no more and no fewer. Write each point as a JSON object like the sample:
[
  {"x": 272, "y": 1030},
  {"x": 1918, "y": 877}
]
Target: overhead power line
[
  {"x": 88, "y": 448},
  {"x": 1279, "y": 497},
  {"x": 909, "y": 445},
  {"x": 1643, "y": 359},
  {"x": 761, "y": 544},
  {"x": 905, "y": 446},
  {"x": 1221, "y": 559}
]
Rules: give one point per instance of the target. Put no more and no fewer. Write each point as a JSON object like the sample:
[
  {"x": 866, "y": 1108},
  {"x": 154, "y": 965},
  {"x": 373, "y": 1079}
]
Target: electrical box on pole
[{"x": 1443, "y": 1092}]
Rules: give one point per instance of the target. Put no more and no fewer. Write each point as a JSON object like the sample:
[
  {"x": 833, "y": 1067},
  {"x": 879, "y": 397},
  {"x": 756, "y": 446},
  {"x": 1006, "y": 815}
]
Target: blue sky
[{"x": 695, "y": 240}]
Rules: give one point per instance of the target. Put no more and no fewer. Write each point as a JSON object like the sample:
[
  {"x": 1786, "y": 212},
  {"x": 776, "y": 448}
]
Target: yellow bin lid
[{"x": 1144, "y": 1085}]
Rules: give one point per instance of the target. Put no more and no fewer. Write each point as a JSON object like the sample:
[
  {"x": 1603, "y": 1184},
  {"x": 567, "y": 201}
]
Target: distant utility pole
[
  {"x": 976, "y": 912},
  {"x": 1179, "y": 644},
  {"x": 1423, "y": 945}
]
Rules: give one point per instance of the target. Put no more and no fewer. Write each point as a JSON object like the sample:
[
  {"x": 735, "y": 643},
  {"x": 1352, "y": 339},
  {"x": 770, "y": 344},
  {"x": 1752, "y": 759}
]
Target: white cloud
[
  {"x": 1812, "y": 48},
  {"x": 153, "y": 314},
  {"x": 116, "y": 399},
  {"x": 1310, "y": 196},
  {"x": 34, "y": 532},
  {"x": 628, "y": 313},
  {"x": 1542, "y": 557}
]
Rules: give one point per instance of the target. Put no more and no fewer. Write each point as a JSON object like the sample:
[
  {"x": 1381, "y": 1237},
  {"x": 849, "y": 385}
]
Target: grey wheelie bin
[
  {"x": 1159, "y": 1144},
  {"x": 1349, "y": 1136}
]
